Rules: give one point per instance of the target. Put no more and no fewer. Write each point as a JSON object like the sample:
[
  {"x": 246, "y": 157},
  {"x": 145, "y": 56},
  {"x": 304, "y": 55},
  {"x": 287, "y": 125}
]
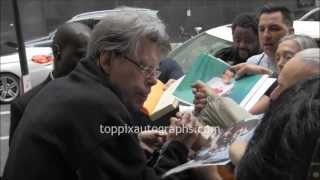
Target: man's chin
[
  {"x": 243, "y": 54},
  {"x": 269, "y": 51}
]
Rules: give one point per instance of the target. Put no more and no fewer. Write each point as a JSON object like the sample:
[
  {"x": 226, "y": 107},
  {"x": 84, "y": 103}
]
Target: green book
[{"x": 209, "y": 69}]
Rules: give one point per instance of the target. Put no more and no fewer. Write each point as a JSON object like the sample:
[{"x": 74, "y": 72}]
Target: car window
[
  {"x": 189, "y": 51},
  {"x": 44, "y": 44},
  {"x": 47, "y": 41},
  {"x": 314, "y": 17}
]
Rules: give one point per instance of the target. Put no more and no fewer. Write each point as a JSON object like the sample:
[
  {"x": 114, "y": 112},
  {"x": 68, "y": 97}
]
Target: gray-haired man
[{"x": 79, "y": 127}]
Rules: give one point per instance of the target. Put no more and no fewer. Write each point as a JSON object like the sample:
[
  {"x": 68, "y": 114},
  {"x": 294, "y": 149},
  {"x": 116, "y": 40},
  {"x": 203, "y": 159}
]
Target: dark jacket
[
  {"x": 62, "y": 134},
  {"x": 229, "y": 55},
  {"x": 18, "y": 106}
]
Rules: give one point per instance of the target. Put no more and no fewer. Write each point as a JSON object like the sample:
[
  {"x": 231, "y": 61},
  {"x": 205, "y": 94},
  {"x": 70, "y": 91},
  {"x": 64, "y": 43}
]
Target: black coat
[
  {"x": 59, "y": 136},
  {"x": 229, "y": 55},
  {"x": 18, "y": 106}
]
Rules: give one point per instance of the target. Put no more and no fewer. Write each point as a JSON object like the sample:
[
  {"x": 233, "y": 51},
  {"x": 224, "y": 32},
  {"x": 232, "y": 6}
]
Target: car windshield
[
  {"x": 203, "y": 43},
  {"x": 312, "y": 15}
]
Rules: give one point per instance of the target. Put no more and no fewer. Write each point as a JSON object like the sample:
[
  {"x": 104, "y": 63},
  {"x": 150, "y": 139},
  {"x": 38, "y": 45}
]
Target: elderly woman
[
  {"x": 230, "y": 113},
  {"x": 287, "y": 48},
  {"x": 282, "y": 145},
  {"x": 284, "y": 142},
  {"x": 289, "y": 45},
  {"x": 304, "y": 64}
]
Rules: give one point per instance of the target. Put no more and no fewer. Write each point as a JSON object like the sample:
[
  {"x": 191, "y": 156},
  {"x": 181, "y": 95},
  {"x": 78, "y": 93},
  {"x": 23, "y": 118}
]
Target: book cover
[
  {"x": 160, "y": 102},
  {"x": 202, "y": 69},
  {"x": 153, "y": 98},
  {"x": 214, "y": 72}
]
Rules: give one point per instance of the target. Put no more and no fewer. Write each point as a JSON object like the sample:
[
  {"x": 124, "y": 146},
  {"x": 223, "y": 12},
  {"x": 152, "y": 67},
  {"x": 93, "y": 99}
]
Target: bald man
[{"x": 68, "y": 47}]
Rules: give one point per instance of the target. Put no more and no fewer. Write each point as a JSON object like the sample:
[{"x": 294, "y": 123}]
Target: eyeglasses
[{"x": 146, "y": 70}]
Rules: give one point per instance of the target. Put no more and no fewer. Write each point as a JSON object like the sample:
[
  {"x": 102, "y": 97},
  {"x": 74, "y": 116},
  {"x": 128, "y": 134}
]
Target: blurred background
[{"x": 39, "y": 17}]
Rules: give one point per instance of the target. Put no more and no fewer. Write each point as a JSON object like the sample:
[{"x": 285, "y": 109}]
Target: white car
[
  {"x": 215, "y": 39},
  {"x": 312, "y": 15},
  {"x": 89, "y": 18},
  {"x": 10, "y": 73},
  {"x": 39, "y": 61}
]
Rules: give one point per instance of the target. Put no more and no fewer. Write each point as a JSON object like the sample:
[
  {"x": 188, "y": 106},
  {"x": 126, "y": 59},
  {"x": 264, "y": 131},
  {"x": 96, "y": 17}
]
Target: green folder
[{"x": 205, "y": 68}]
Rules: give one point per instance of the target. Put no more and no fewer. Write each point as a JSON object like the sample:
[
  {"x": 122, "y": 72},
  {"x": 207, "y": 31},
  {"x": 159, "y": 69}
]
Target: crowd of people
[{"x": 102, "y": 77}]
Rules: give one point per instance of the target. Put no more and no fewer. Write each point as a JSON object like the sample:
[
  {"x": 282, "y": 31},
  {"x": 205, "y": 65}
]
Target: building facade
[{"x": 39, "y": 17}]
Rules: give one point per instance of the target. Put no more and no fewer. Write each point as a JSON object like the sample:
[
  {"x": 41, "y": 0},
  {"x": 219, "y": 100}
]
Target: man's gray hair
[
  {"x": 303, "y": 41},
  {"x": 310, "y": 57},
  {"x": 123, "y": 30}
]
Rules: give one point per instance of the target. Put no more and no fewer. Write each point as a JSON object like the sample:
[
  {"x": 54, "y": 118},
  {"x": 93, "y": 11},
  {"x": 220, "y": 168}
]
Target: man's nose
[{"x": 266, "y": 33}]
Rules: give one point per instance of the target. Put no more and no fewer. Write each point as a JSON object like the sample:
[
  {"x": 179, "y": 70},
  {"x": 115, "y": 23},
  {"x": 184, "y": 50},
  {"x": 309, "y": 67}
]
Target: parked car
[
  {"x": 312, "y": 15},
  {"x": 39, "y": 60},
  {"x": 215, "y": 39},
  {"x": 38, "y": 51},
  {"x": 89, "y": 18}
]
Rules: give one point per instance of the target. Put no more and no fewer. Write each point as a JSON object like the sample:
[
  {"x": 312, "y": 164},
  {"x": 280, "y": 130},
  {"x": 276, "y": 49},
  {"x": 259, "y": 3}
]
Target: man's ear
[{"x": 105, "y": 61}]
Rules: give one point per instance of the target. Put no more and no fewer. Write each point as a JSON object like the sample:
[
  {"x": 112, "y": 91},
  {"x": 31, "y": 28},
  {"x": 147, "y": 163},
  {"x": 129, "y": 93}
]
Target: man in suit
[
  {"x": 68, "y": 46},
  {"x": 79, "y": 126}
]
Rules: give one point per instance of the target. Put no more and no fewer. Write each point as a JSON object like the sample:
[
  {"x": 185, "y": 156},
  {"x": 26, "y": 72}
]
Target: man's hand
[
  {"x": 183, "y": 129},
  {"x": 236, "y": 151},
  {"x": 200, "y": 91},
  {"x": 207, "y": 173},
  {"x": 153, "y": 139},
  {"x": 246, "y": 68}
]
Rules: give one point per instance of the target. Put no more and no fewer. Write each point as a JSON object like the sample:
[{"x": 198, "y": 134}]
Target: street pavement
[{"x": 4, "y": 134}]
